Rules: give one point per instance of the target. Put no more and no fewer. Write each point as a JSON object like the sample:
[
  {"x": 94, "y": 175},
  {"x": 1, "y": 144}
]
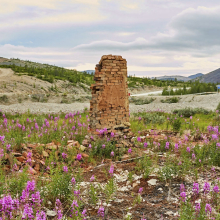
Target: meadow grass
[{"x": 57, "y": 185}]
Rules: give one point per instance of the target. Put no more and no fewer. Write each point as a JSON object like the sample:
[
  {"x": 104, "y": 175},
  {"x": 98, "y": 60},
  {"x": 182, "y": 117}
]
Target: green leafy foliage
[
  {"x": 171, "y": 100},
  {"x": 141, "y": 101},
  {"x": 187, "y": 112}
]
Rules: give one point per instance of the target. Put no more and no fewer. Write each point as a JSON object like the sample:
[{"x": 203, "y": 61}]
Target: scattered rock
[
  {"x": 152, "y": 182},
  {"x": 82, "y": 148},
  {"x": 51, "y": 213},
  {"x": 45, "y": 154}
]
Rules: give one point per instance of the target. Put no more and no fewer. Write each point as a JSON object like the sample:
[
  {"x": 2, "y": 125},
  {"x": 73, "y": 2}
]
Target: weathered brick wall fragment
[{"x": 109, "y": 107}]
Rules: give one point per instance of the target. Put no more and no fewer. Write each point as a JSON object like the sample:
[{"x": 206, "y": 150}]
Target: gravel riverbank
[{"x": 208, "y": 102}]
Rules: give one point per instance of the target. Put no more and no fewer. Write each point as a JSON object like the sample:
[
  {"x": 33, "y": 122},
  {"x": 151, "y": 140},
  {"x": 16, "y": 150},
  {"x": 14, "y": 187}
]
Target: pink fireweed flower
[
  {"x": 92, "y": 178},
  {"x": 167, "y": 145},
  {"x": 112, "y": 154},
  {"x": 214, "y": 137},
  {"x": 27, "y": 212},
  {"x": 84, "y": 214},
  {"x": 8, "y": 147},
  {"x": 216, "y": 189},
  {"x": 112, "y": 134},
  {"x": 1, "y": 153},
  {"x": 58, "y": 206},
  {"x": 188, "y": 149},
  {"x": 176, "y": 146},
  {"x": 139, "y": 118},
  {"x": 140, "y": 190},
  {"x": 90, "y": 146},
  {"x": 183, "y": 196},
  {"x": 208, "y": 208},
  {"x": 111, "y": 170},
  {"x": 182, "y": 187},
  {"x": 64, "y": 155},
  {"x": 73, "y": 181},
  {"x": 138, "y": 139},
  {"x": 79, "y": 157},
  {"x": 206, "y": 187},
  {"x": 129, "y": 150},
  {"x": 74, "y": 203},
  {"x": 193, "y": 156},
  {"x": 197, "y": 207},
  {"x": 145, "y": 144},
  {"x": 103, "y": 146},
  {"x": 195, "y": 188},
  {"x": 77, "y": 193},
  {"x": 191, "y": 117},
  {"x": 101, "y": 212},
  {"x": 65, "y": 169},
  {"x": 41, "y": 215},
  {"x": 29, "y": 155}
]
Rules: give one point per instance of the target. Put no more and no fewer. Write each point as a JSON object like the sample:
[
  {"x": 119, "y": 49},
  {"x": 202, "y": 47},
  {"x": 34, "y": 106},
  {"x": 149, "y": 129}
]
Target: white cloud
[
  {"x": 125, "y": 33},
  {"x": 13, "y": 5},
  {"x": 84, "y": 66},
  {"x": 193, "y": 30}
]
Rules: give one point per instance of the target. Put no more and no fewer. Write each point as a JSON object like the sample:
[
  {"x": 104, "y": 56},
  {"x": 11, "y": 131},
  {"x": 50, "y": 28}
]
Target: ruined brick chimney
[{"x": 109, "y": 107}]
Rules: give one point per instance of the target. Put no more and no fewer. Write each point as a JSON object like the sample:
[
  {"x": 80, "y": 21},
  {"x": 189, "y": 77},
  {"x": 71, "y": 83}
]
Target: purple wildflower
[
  {"x": 208, "y": 208},
  {"x": 92, "y": 178},
  {"x": 206, "y": 187},
  {"x": 79, "y": 157},
  {"x": 65, "y": 169},
  {"x": 195, "y": 188},
  {"x": 101, "y": 212},
  {"x": 112, "y": 154},
  {"x": 73, "y": 181},
  {"x": 183, "y": 196},
  {"x": 138, "y": 139},
  {"x": 140, "y": 190},
  {"x": 216, "y": 189},
  {"x": 111, "y": 170},
  {"x": 64, "y": 155},
  {"x": 197, "y": 207}
]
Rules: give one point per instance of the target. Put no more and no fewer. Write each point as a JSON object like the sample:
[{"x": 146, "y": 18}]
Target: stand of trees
[
  {"x": 195, "y": 87},
  {"x": 50, "y": 73}
]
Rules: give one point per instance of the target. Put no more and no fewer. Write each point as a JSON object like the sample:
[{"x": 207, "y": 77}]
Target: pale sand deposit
[{"x": 208, "y": 102}]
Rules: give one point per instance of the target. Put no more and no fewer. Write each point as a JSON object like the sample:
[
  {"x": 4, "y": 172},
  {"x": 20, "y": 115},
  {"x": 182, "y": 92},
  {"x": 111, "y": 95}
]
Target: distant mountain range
[
  {"x": 212, "y": 77},
  {"x": 195, "y": 75},
  {"x": 179, "y": 78}
]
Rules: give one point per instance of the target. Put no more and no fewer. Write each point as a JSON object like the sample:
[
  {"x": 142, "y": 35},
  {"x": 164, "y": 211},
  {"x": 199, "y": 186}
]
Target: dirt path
[{"x": 6, "y": 73}]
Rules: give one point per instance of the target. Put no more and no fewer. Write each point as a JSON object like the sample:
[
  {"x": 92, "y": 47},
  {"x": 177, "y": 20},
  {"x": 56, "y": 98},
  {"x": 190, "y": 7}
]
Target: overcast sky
[{"x": 157, "y": 37}]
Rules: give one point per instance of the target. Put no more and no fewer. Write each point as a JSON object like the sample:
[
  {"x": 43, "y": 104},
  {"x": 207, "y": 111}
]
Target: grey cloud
[{"x": 194, "y": 30}]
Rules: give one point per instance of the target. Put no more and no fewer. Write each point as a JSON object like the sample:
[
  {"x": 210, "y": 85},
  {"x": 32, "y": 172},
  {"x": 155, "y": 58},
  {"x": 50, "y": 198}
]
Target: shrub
[
  {"x": 141, "y": 101},
  {"x": 4, "y": 98},
  {"x": 154, "y": 118},
  {"x": 171, "y": 100},
  {"x": 187, "y": 112},
  {"x": 64, "y": 101},
  {"x": 176, "y": 125}
]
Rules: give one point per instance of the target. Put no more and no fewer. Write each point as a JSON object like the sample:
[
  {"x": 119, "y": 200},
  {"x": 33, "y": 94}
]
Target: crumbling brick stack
[{"x": 109, "y": 107}]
